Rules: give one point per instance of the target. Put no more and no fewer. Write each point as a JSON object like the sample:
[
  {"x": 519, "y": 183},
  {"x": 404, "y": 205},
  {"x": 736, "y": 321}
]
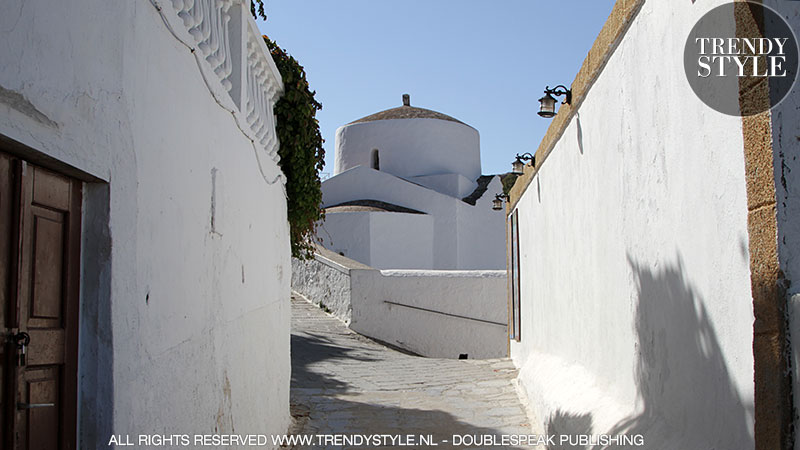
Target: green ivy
[
  {"x": 508, "y": 181},
  {"x": 257, "y": 9},
  {"x": 301, "y": 152}
]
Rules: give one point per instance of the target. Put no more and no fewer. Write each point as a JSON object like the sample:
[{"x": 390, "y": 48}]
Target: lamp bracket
[
  {"x": 526, "y": 157},
  {"x": 559, "y": 92}
]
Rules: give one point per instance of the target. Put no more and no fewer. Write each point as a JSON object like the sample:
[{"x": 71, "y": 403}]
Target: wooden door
[{"x": 41, "y": 229}]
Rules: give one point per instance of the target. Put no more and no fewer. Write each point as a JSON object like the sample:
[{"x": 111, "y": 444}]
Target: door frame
[{"x": 22, "y": 174}]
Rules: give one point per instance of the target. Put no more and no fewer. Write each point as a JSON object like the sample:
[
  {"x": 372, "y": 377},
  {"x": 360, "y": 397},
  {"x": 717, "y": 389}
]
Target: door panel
[
  {"x": 40, "y": 397},
  {"x": 47, "y": 268},
  {"x": 41, "y": 388}
]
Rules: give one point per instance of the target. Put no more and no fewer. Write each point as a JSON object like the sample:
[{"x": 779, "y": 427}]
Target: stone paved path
[{"x": 344, "y": 383}]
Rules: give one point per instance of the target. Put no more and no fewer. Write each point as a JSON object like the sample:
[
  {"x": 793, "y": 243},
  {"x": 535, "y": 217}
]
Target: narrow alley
[{"x": 346, "y": 384}]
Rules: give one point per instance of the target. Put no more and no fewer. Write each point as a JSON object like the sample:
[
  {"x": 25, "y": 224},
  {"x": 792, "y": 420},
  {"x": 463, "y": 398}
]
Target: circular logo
[{"x": 741, "y": 58}]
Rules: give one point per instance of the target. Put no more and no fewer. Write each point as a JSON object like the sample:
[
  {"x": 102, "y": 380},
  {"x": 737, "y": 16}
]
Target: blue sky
[{"x": 485, "y": 63}]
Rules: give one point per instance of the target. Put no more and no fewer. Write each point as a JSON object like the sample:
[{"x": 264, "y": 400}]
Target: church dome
[
  {"x": 406, "y": 112},
  {"x": 410, "y": 143}
]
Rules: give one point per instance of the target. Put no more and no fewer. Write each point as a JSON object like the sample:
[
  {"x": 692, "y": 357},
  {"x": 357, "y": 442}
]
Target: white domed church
[{"x": 407, "y": 193}]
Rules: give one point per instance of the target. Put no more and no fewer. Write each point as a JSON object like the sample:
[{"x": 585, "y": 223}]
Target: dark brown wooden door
[{"x": 41, "y": 244}]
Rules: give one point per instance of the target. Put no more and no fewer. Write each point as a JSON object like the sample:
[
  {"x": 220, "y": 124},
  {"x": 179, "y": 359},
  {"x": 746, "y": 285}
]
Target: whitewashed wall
[
  {"x": 464, "y": 237},
  {"x": 481, "y": 243},
  {"x": 381, "y": 239},
  {"x": 433, "y": 313},
  {"x": 636, "y": 304},
  {"x": 185, "y": 326},
  {"x": 452, "y": 184}
]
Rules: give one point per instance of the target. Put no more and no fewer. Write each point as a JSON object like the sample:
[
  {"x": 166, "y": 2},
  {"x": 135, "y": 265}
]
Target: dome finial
[{"x": 406, "y": 100}]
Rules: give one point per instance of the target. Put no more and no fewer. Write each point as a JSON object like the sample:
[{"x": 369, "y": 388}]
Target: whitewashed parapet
[
  {"x": 207, "y": 22},
  {"x": 262, "y": 92},
  {"x": 236, "y": 66}
]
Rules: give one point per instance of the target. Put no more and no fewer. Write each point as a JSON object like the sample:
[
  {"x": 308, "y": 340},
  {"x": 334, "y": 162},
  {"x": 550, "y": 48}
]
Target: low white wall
[
  {"x": 433, "y": 313},
  {"x": 325, "y": 281},
  {"x": 635, "y": 281}
]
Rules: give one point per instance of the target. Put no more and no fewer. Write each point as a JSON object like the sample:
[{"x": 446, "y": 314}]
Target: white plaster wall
[
  {"x": 464, "y": 236},
  {"x": 364, "y": 183},
  {"x": 443, "y": 313},
  {"x": 384, "y": 240},
  {"x": 636, "y": 304},
  {"x": 348, "y": 234},
  {"x": 196, "y": 319},
  {"x": 481, "y": 233},
  {"x": 401, "y": 241},
  {"x": 452, "y": 184},
  {"x": 410, "y": 147}
]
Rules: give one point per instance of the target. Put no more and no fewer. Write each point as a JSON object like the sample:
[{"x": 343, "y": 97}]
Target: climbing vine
[
  {"x": 301, "y": 152},
  {"x": 257, "y": 9},
  {"x": 508, "y": 181}
]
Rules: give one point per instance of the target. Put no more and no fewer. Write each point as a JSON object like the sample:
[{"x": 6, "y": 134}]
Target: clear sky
[{"x": 485, "y": 63}]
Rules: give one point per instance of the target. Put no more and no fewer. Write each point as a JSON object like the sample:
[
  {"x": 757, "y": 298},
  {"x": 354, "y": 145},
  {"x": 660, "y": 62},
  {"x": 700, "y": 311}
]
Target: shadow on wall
[
  {"x": 96, "y": 343},
  {"x": 686, "y": 395},
  {"x": 565, "y": 424}
]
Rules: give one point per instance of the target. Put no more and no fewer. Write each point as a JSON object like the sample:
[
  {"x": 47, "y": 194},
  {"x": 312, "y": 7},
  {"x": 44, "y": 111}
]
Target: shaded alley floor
[{"x": 346, "y": 384}]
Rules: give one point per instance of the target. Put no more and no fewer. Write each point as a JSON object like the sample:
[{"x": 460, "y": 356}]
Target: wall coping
[
  {"x": 338, "y": 262},
  {"x": 400, "y": 273},
  {"x": 345, "y": 265},
  {"x": 607, "y": 41}
]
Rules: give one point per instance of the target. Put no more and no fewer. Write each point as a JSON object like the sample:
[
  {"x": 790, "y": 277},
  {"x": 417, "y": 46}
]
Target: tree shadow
[
  {"x": 308, "y": 349},
  {"x": 687, "y": 395},
  {"x": 324, "y": 403},
  {"x": 566, "y": 424},
  {"x": 336, "y": 416}
]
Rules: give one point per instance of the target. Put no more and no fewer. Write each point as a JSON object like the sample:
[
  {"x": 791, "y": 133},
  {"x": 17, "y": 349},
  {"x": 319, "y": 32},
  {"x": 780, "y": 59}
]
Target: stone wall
[
  {"x": 325, "y": 281},
  {"x": 436, "y": 313}
]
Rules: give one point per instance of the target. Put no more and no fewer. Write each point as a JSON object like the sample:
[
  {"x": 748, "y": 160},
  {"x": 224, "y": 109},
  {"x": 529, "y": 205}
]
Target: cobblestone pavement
[{"x": 346, "y": 384}]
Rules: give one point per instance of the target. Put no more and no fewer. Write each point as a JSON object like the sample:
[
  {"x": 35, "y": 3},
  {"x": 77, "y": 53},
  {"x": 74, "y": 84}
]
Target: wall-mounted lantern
[
  {"x": 519, "y": 164},
  {"x": 497, "y": 203},
  {"x": 547, "y": 104}
]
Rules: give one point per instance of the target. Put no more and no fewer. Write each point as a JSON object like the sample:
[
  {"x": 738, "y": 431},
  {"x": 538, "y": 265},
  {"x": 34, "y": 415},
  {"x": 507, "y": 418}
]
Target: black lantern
[
  {"x": 518, "y": 165},
  {"x": 497, "y": 203},
  {"x": 547, "y": 104}
]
